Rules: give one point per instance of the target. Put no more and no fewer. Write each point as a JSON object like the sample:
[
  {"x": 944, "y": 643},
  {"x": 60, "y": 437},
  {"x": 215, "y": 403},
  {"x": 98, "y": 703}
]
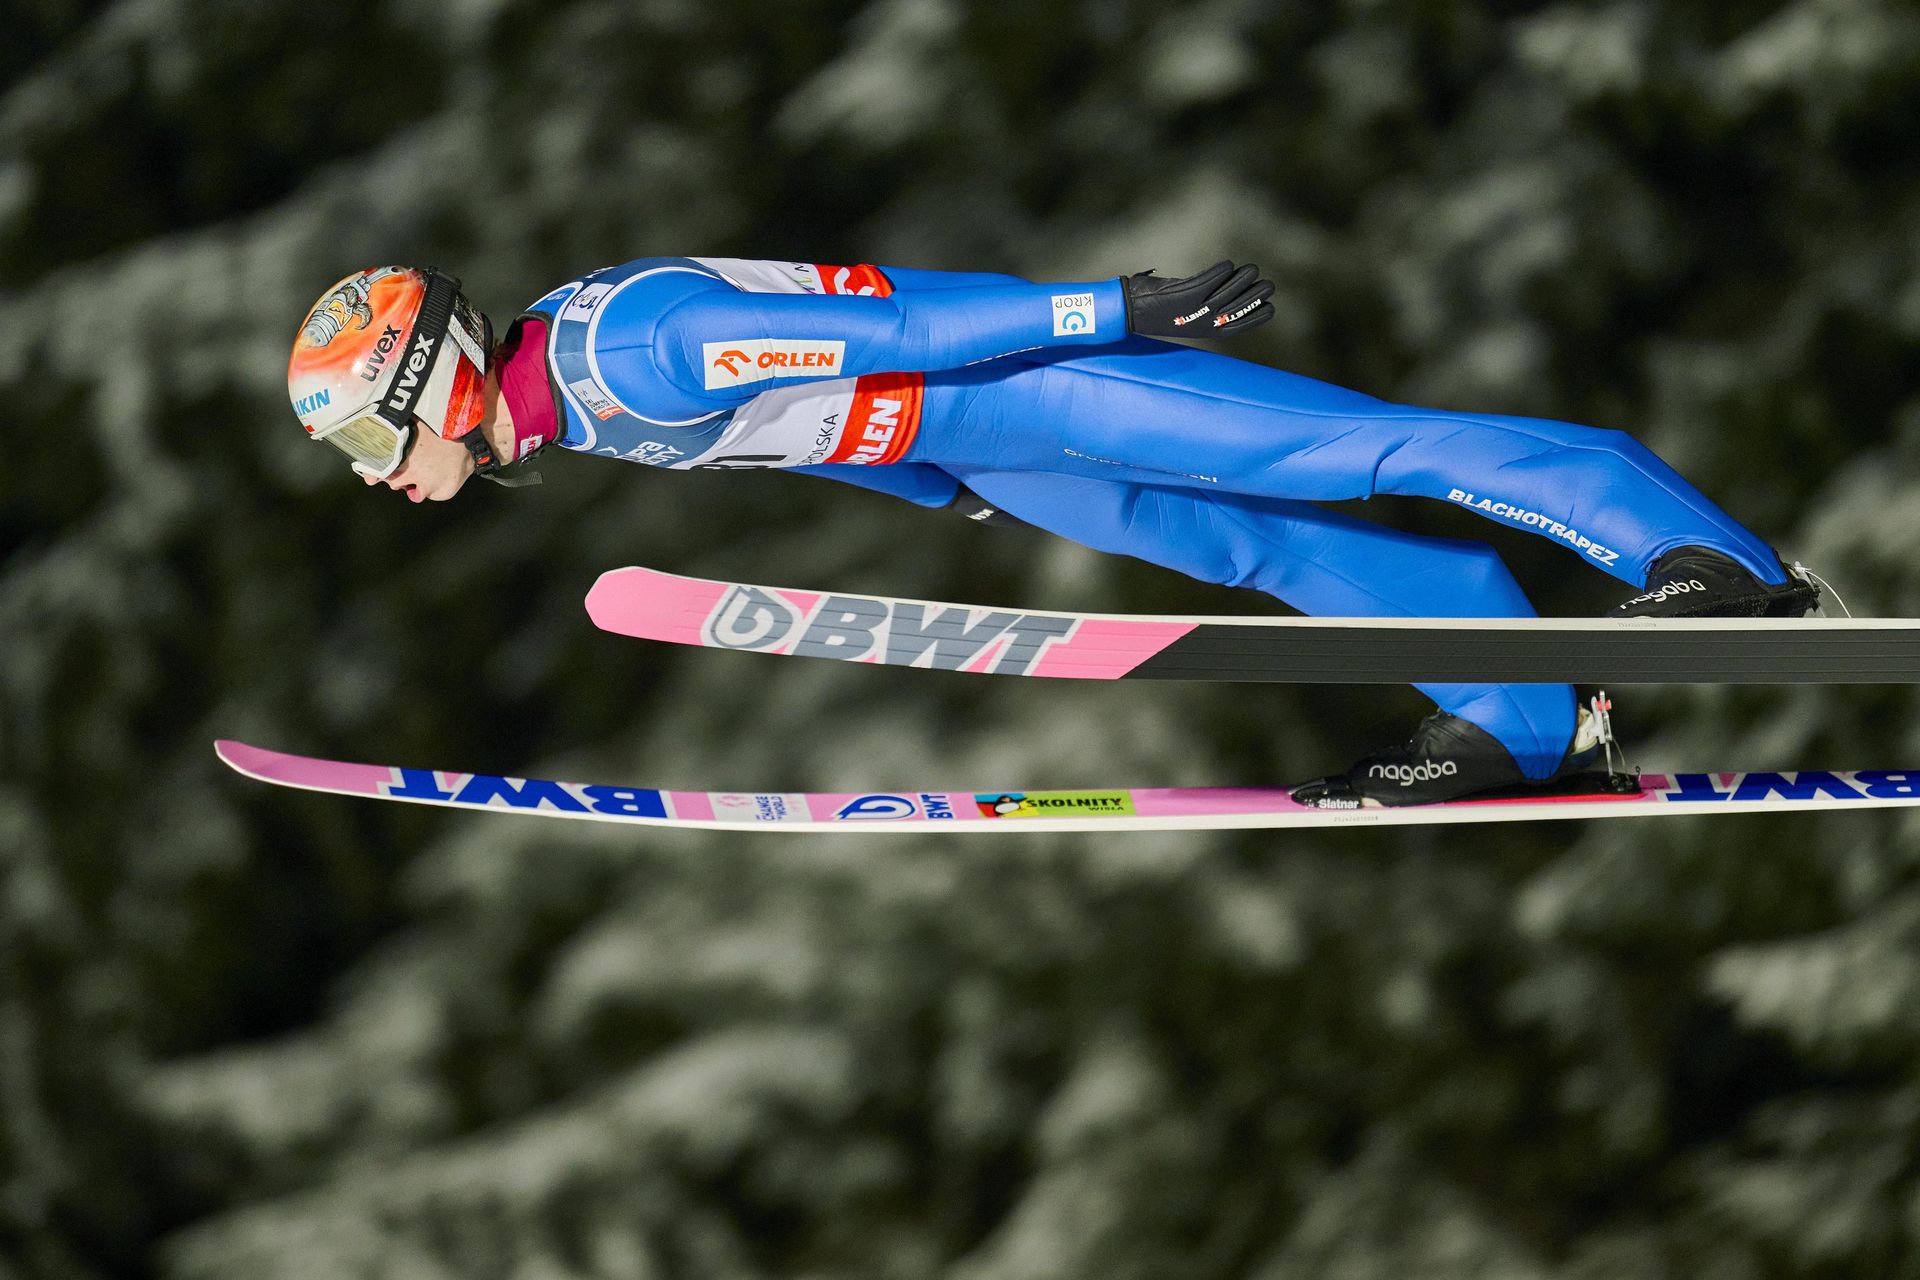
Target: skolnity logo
[
  {"x": 733, "y": 364},
  {"x": 898, "y": 632},
  {"x": 1054, "y": 804},
  {"x": 1519, "y": 515},
  {"x": 1408, "y": 774}
]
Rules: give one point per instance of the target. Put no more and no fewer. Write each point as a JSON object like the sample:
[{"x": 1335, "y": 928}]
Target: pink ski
[
  {"x": 1030, "y": 809},
  {"x": 651, "y": 605}
]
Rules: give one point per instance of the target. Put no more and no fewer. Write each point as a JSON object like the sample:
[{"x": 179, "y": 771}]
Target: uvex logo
[
  {"x": 410, "y": 376},
  {"x": 377, "y": 358}
]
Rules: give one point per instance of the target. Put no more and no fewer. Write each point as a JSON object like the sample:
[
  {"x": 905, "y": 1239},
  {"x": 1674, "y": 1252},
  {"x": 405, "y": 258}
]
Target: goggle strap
[{"x": 429, "y": 327}]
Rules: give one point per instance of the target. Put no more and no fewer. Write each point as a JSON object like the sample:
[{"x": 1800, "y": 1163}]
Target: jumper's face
[{"x": 433, "y": 470}]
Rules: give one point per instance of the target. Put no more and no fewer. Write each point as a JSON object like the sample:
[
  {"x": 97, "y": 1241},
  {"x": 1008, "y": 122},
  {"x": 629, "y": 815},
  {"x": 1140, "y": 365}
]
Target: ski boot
[
  {"x": 1693, "y": 582},
  {"x": 1449, "y": 758}
]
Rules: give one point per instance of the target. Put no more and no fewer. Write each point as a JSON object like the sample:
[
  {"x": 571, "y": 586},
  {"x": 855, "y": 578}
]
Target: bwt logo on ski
[
  {"x": 902, "y": 632},
  {"x": 1534, "y": 520},
  {"x": 488, "y": 791},
  {"x": 731, "y": 364},
  {"x": 890, "y": 808},
  {"x": 1806, "y": 785}
]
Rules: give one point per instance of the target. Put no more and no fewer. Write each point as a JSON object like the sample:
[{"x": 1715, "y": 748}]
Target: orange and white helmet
[{"x": 382, "y": 350}]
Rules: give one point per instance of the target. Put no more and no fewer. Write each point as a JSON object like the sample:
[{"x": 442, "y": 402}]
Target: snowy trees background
[{"x": 253, "y": 1034}]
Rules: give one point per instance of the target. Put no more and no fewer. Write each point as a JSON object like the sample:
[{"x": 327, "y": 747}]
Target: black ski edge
[{"x": 1361, "y": 656}]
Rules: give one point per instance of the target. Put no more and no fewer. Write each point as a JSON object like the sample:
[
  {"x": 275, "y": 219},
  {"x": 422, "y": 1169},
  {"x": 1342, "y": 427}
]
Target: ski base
[
  {"x": 1117, "y": 809},
  {"x": 650, "y": 605}
]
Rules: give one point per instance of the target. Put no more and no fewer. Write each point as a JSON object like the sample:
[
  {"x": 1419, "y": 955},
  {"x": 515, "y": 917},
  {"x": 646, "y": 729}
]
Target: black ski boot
[
  {"x": 1693, "y": 582},
  {"x": 1453, "y": 759}
]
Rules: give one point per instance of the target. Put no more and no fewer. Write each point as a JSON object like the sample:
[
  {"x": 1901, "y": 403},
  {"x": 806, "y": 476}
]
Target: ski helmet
[{"x": 383, "y": 350}]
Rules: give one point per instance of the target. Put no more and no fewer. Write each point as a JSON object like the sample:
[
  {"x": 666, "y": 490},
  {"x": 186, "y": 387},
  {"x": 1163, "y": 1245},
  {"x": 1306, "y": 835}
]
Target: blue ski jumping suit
[{"x": 1035, "y": 397}]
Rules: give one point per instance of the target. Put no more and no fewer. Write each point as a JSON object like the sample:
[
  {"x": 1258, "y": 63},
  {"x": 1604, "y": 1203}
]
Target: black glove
[{"x": 1219, "y": 300}]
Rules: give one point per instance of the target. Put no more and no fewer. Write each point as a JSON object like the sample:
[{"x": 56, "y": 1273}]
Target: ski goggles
[
  {"x": 375, "y": 447},
  {"x": 376, "y": 440}
]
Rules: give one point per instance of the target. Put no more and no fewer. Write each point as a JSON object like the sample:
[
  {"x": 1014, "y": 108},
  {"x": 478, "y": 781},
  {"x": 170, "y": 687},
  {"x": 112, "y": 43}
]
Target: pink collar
[{"x": 522, "y": 357}]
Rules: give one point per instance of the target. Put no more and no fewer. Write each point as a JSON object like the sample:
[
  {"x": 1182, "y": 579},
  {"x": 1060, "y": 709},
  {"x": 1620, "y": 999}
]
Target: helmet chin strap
[
  {"x": 484, "y": 463},
  {"x": 489, "y": 467}
]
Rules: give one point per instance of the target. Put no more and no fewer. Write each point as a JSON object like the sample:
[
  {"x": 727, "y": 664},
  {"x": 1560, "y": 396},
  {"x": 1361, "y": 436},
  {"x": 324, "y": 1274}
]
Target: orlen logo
[
  {"x": 842, "y": 281},
  {"x": 732, "y": 364},
  {"x": 877, "y": 432},
  {"x": 882, "y": 420}
]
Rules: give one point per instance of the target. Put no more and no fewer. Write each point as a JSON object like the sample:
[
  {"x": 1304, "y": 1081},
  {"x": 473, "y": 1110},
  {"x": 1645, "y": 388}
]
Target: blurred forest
[{"x": 253, "y": 1034}]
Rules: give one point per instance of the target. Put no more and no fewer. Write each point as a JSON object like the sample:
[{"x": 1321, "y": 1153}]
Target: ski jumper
[{"x": 1033, "y": 395}]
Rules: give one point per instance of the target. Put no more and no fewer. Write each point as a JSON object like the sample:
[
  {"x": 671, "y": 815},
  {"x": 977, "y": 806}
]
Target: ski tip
[
  {"x": 650, "y": 605},
  {"x": 237, "y": 755},
  {"x": 258, "y": 763},
  {"x": 597, "y": 593},
  {"x": 609, "y": 590}
]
